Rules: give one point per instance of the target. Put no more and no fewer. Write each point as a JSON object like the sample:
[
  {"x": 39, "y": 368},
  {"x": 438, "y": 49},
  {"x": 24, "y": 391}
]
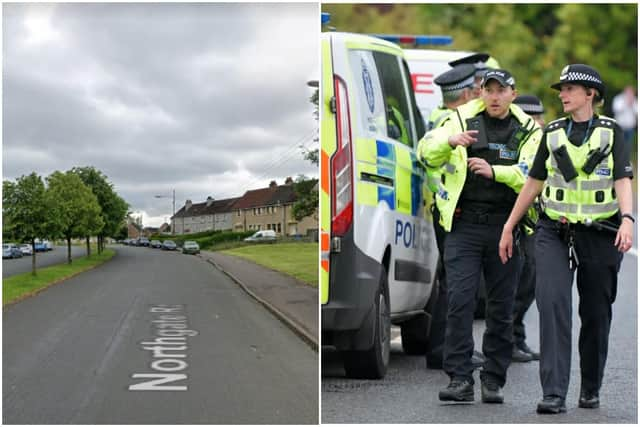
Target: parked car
[
  {"x": 190, "y": 247},
  {"x": 26, "y": 249},
  {"x": 169, "y": 245},
  {"x": 10, "y": 250},
  {"x": 143, "y": 241},
  {"x": 43, "y": 245},
  {"x": 156, "y": 244},
  {"x": 262, "y": 236}
]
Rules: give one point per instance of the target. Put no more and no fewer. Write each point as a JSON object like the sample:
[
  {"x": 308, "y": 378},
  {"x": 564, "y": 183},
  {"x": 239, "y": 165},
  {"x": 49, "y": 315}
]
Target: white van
[
  {"x": 262, "y": 236},
  {"x": 378, "y": 251}
]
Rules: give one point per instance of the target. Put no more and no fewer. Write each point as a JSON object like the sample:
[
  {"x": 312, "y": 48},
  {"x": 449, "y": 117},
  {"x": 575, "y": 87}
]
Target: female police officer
[{"x": 582, "y": 170}]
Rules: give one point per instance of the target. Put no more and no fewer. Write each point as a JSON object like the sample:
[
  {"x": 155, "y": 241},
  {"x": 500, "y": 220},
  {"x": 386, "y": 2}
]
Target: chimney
[
  {"x": 273, "y": 184},
  {"x": 187, "y": 205},
  {"x": 209, "y": 201},
  {"x": 288, "y": 181}
]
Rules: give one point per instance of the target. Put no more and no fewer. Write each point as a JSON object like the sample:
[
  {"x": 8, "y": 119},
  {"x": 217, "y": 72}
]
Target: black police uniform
[
  {"x": 597, "y": 283},
  {"x": 525, "y": 293},
  {"x": 599, "y": 263},
  {"x": 459, "y": 77}
]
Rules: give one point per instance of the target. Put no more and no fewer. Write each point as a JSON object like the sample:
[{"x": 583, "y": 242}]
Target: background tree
[
  {"x": 113, "y": 207},
  {"x": 25, "y": 212},
  {"x": 306, "y": 203},
  {"x": 74, "y": 207}
]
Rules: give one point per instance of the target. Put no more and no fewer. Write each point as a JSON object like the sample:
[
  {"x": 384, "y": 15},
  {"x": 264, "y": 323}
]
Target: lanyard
[{"x": 586, "y": 134}]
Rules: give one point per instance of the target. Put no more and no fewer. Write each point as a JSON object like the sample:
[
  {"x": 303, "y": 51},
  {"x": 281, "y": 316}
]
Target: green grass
[
  {"x": 23, "y": 285},
  {"x": 299, "y": 260}
]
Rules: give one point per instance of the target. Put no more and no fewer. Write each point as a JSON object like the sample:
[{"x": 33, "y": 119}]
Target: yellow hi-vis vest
[
  {"x": 434, "y": 151},
  {"x": 586, "y": 196}
]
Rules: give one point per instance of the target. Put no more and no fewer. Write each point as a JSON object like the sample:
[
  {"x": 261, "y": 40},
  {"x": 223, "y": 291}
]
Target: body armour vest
[{"x": 590, "y": 195}]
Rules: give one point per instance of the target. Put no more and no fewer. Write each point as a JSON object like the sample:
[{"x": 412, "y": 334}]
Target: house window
[
  {"x": 279, "y": 229},
  {"x": 238, "y": 212}
]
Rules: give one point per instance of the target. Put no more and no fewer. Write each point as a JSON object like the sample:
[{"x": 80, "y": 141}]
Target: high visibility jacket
[
  {"x": 588, "y": 196},
  {"x": 436, "y": 119},
  {"x": 434, "y": 151}
]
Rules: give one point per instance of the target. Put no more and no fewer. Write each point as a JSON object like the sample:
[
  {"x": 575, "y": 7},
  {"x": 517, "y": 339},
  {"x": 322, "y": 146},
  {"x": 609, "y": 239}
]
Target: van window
[{"x": 395, "y": 91}]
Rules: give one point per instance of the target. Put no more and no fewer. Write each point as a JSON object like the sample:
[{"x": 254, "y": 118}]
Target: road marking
[{"x": 168, "y": 349}]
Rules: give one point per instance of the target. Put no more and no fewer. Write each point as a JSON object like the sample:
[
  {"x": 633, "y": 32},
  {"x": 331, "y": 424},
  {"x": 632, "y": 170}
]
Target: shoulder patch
[{"x": 606, "y": 122}]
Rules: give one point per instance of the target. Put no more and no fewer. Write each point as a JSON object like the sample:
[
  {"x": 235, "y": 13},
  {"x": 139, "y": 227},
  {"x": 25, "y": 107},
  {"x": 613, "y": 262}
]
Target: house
[
  {"x": 212, "y": 215},
  {"x": 134, "y": 230},
  {"x": 165, "y": 228},
  {"x": 271, "y": 209}
]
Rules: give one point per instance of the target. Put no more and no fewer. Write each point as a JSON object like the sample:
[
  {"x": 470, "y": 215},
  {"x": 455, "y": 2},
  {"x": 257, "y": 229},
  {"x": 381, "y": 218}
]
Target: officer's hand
[
  {"x": 465, "y": 138},
  {"x": 624, "y": 237},
  {"x": 505, "y": 247},
  {"x": 480, "y": 167}
]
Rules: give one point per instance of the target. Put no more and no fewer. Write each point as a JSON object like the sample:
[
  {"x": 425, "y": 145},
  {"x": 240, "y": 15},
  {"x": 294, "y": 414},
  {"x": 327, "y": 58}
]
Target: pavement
[{"x": 292, "y": 301}]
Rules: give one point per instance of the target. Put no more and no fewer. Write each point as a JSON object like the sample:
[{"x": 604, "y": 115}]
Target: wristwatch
[{"x": 628, "y": 215}]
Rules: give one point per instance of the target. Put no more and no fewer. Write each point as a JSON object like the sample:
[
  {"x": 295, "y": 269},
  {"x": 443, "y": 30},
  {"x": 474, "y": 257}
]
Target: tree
[
  {"x": 113, "y": 207},
  {"x": 74, "y": 207},
  {"x": 25, "y": 211},
  {"x": 306, "y": 203}
]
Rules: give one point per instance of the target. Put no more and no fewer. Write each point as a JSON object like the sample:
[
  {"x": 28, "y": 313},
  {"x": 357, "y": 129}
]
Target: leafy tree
[
  {"x": 113, "y": 207},
  {"x": 306, "y": 203},
  {"x": 74, "y": 207},
  {"x": 25, "y": 212}
]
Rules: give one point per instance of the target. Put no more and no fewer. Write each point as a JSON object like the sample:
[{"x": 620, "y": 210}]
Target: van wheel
[{"x": 373, "y": 363}]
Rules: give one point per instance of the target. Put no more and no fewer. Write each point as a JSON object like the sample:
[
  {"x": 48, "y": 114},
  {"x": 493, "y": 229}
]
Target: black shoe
[
  {"x": 589, "y": 400},
  {"x": 477, "y": 359},
  {"x": 491, "y": 392},
  {"x": 525, "y": 348},
  {"x": 457, "y": 391},
  {"x": 551, "y": 405},
  {"x": 517, "y": 355}
]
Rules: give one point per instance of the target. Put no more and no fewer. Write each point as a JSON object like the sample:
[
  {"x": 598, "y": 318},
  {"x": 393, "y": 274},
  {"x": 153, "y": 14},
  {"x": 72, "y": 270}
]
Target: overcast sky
[{"x": 206, "y": 99}]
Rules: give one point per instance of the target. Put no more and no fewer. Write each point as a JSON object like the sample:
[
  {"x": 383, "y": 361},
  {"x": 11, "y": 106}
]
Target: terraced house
[
  {"x": 267, "y": 208},
  {"x": 213, "y": 214}
]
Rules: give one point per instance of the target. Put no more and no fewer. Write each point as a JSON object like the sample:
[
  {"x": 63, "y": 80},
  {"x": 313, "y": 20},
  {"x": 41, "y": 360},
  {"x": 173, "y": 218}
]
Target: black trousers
[
  {"x": 435, "y": 345},
  {"x": 526, "y": 293},
  {"x": 597, "y": 281},
  {"x": 469, "y": 250}
]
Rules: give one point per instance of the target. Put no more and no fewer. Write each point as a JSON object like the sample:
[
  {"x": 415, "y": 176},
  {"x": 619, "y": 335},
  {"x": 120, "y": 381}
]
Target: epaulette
[
  {"x": 556, "y": 124},
  {"x": 606, "y": 122}
]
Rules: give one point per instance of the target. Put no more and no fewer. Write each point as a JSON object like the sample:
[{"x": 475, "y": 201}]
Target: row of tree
[{"x": 79, "y": 203}]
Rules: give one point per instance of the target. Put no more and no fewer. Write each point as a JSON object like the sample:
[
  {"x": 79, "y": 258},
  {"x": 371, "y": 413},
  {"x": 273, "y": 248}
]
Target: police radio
[
  {"x": 564, "y": 163},
  {"x": 476, "y": 123}
]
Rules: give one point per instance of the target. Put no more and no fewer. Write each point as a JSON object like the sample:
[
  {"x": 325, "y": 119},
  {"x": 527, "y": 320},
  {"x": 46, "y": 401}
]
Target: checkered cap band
[
  {"x": 580, "y": 77},
  {"x": 458, "y": 85},
  {"x": 531, "y": 108}
]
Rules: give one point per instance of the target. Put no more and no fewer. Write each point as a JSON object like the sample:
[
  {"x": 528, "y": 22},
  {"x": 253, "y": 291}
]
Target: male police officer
[
  {"x": 456, "y": 85},
  {"x": 479, "y": 146},
  {"x": 525, "y": 294}
]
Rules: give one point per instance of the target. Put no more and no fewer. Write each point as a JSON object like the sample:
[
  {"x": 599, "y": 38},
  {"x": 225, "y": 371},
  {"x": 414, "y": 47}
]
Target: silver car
[{"x": 10, "y": 250}]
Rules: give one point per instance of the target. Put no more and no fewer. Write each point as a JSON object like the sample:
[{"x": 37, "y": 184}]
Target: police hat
[
  {"x": 530, "y": 104},
  {"x": 581, "y": 74},
  {"x": 458, "y": 77},
  {"x": 478, "y": 60},
  {"x": 502, "y": 76}
]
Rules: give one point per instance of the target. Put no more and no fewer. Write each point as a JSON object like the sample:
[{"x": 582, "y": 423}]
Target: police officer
[
  {"x": 482, "y": 62},
  {"x": 583, "y": 174},
  {"x": 525, "y": 293},
  {"x": 456, "y": 85},
  {"x": 479, "y": 147}
]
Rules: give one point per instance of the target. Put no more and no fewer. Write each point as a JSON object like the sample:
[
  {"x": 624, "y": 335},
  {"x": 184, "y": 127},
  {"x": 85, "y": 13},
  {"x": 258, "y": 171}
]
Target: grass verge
[
  {"x": 23, "y": 285},
  {"x": 299, "y": 260}
]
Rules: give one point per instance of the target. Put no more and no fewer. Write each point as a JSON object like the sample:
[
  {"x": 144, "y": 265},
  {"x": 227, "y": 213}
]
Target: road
[
  {"x": 88, "y": 350},
  {"x": 409, "y": 393},
  {"x": 58, "y": 255}
]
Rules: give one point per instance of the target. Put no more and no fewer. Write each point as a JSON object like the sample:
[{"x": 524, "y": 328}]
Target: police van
[{"x": 378, "y": 252}]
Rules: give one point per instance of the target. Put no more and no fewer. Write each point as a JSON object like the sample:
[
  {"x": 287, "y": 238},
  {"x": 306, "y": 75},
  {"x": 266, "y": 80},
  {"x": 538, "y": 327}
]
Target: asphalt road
[
  {"x": 409, "y": 393},
  {"x": 58, "y": 255},
  {"x": 70, "y": 354}
]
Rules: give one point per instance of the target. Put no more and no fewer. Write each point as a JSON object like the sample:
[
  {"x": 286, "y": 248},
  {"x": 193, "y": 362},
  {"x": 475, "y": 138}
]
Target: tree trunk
[
  {"x": 68, "y": 250},
  {"x": 33, "y": 257},
  {"x": 88, "y": 246}
]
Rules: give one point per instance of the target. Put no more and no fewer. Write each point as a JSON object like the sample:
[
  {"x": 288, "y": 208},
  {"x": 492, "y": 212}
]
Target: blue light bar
[
  {"x": 416, "y": 40},
  {"x": 325, "y": 17}
]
